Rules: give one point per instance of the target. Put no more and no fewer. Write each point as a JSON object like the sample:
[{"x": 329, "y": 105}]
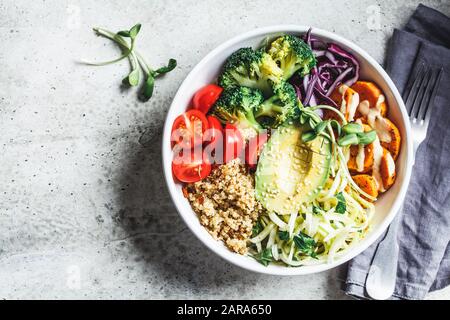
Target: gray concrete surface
[{"x": 84, "y": 212}]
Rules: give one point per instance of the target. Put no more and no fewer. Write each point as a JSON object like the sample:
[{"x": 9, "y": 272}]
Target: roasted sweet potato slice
[
  {"x": 367, "y": 184},
  {"x": 387, "y": 169},
  {"x": 351, "y": 101},
  {"x": 352, "y": 163},
  {"x": 394, "y": 145},
  {"x": 370, "y": 92}
]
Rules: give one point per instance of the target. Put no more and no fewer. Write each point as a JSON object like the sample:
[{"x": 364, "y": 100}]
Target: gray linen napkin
[{"x": 424, "y": 229}]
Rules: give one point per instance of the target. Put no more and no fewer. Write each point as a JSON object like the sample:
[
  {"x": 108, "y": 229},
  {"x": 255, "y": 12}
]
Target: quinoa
[{"x": 226, "y": 205}]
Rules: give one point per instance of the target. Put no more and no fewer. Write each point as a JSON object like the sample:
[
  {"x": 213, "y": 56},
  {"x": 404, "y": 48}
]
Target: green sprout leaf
[
  {"x": 366, "y": 137},
  {"x": 312, "y": 123},
  {"x": 353, "y": 128},
  {"x": 133, "y": 78},
  {"x": 149, "y": 85},
  {"x": 136, "y": 60},
  {"x": 170, "y": 66},
  {"x": 308, "y": 136},
  {"x": 303, "y": 118},
  {"x": 134, "y": 31},
  {"x": 348, "y": 139},
  {"x": 320, "y": 127},
  {"x": 124, "y": 33}
]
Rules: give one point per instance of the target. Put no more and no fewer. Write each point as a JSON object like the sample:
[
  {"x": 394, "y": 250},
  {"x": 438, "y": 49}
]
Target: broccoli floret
[
  {"x": 283, "y": 105},
  {"x": 292, "y": 54},
  {"x": 252, "y": 69},
  {"x": 236, "y": 105}
]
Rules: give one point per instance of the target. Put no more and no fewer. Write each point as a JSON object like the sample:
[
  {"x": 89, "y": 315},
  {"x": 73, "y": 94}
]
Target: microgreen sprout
[{"x": 137, "y": 62}]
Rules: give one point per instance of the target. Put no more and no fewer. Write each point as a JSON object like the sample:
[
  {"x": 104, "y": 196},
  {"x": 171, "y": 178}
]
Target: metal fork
[
  {"x": 382, "y": 276},
  {"x": 419, "y": 100}
]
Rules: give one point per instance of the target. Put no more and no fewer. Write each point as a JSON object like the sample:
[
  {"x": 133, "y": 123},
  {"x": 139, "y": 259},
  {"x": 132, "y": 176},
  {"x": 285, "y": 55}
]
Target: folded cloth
[{"x": 424, "y": 229}]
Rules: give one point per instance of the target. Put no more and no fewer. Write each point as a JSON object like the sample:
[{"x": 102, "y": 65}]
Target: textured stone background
[{"x": 84, "y": 212}]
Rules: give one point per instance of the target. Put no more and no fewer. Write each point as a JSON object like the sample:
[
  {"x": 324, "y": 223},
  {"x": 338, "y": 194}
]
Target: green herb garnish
[
  {"x": 316, "y": 210},
  {"x": 264, "y": 257},
  {"x": 341, "y": 206},
  {"x": 305, "y": 244},
  {"x": 283, "y": 235},
  {"x": 257, "y": 228},
  {"x": 137, "y": 62}
]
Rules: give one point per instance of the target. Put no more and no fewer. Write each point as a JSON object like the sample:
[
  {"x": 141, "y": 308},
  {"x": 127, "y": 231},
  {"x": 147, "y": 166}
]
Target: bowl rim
[{"x": 241, "y": 260}]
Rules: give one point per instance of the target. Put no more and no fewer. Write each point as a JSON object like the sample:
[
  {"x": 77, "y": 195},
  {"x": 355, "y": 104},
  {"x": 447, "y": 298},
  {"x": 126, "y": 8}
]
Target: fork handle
[
  {"x": 416, "y": 145},
  {"x": 382, "y": 276}
]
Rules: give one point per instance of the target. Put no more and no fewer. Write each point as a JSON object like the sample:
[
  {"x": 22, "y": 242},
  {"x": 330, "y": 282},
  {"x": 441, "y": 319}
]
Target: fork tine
[
  {"x": 412, "y": 93},
  {"x": 420, "y": 95},
  {"x": 428, "y": 86},
  {"x": 411, "y": 81},
  {"x": 431, "y": 92}
]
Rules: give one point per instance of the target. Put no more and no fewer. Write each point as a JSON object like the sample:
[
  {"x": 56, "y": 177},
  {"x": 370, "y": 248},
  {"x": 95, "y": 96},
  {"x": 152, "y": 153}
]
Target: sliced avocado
[{"x": 290, "y": 171}]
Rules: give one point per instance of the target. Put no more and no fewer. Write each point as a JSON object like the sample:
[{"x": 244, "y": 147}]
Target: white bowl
[{"x": 207, "y": 70}]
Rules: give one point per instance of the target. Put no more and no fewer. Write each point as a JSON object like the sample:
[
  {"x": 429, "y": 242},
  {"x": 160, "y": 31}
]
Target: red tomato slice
[
  {"x": 254, "y": 148},
  {"x": 214, "y": 131},
  {"x": 191, "y": 165},
  {"x": 233, "y": 143},
  {"x": 188, "y": 129},
  {"x": 206, "y": 97}
]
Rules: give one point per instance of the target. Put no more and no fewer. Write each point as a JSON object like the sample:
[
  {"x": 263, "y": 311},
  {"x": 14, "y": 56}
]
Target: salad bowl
[{"x": 207, "y": 70}]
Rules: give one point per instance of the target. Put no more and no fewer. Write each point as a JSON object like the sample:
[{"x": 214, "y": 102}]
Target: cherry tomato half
[
  {"x": 188, "y": 129},
  {"x": 206, "y": 97},
  {"x": 233, "y": 143},
  {"x": 254, "y": 148},
  {"x": 214, "y": 132},
  {"x": 191, "y": 165}
]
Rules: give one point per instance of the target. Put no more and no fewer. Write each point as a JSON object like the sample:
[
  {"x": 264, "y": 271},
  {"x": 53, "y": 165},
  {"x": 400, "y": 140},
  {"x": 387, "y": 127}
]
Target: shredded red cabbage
[{"x": 335, "y": 66}]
